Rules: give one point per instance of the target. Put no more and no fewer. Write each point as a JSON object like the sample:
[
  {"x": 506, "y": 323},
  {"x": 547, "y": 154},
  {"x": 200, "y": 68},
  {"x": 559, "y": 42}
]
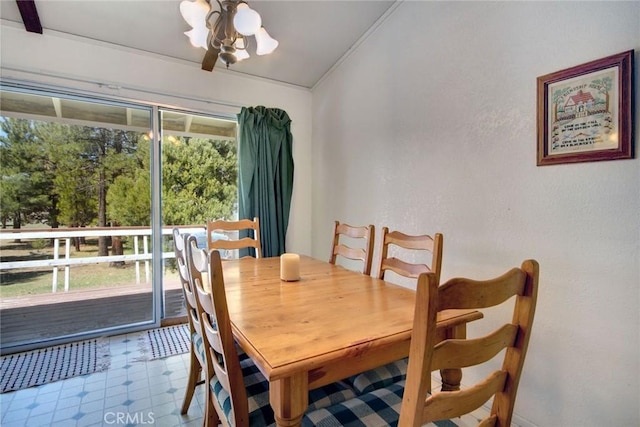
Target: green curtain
[{"x": 266, "y": 174}]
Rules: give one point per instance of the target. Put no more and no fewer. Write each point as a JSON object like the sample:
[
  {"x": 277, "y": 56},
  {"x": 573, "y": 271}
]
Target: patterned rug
[
  {"x": 164, "y": 342},
  {"x": 31, "y": 368}
]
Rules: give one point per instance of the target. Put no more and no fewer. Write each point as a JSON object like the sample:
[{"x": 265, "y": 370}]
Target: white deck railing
[{"x": 57, "y": 234}]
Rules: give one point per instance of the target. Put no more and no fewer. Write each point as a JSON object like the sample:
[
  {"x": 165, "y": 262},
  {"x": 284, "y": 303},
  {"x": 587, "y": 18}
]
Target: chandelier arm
[
  {"x": 215, "y": 29},
  {"x": 218, "y": 32},
  {"x": 230, "y": 29},
  {"x": 209, "y": 16}
]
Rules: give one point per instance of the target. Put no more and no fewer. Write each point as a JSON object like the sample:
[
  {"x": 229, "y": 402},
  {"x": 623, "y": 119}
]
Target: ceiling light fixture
[{"x": 224, "y": 32}]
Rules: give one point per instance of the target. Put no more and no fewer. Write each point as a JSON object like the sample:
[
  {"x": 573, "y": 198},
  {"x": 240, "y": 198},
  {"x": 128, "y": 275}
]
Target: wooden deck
[{"x": 34, "y": 318}]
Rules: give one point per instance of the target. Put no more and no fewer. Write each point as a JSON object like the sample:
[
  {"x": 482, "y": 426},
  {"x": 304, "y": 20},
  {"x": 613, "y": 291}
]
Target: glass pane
[
  {"x": 75, "y": 211},
  {"x": 199, "y": 181}
]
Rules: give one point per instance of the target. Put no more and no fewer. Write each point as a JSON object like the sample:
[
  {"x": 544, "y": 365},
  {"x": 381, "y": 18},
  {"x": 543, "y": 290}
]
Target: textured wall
[{"x": 430, "y": 126}]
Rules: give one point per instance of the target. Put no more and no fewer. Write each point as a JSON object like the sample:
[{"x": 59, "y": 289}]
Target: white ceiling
[{"x": 313, "y": 34}]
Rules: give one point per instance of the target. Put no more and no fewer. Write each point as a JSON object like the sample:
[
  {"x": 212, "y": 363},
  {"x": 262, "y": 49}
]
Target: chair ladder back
[
  {"x": 189, "y": 275},
  {"x": 339, "y": 248},
  {"x": 245, "y": 242},
  {"x": 179, "y": 241},
  {"x": 180, "y": 245},
  {"x": 466, "y": 293},
  {"x": 404, "y": 268},
  {"x": 220, "y": 350},
  {"x": 461, "y": 353},
  {"x": 197, "y": 361},
  {"x": 405, "y": 241},
  {"x": 358, "y": 254},
  {"x": 210, "y": 328},
  {"x": 191, "y": 306},
  {"x": 398, "y": 238},
  {"x": 454, "y": 404},
  {"x": 424, "y": 357},
  {"x": 196, "y": 280},
  {"x": 252, "y": 226}
]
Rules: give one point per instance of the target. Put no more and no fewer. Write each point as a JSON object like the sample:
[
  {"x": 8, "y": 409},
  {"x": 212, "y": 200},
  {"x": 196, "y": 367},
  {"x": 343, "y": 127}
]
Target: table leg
[
  {"x": 451, "y": 378},
  {"x": 289, "y": 398}
]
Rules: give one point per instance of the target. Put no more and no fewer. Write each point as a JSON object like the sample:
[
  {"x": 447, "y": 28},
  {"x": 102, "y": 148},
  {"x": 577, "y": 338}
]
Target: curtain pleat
[{"x": 266, "y": 174}]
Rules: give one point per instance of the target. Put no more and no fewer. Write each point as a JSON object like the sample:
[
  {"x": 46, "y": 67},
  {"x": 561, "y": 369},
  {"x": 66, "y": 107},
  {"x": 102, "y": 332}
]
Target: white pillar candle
[{"x": 290, "y": 267}]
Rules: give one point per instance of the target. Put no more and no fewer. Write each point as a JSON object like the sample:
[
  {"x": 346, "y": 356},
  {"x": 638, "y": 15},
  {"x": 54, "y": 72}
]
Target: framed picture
[{"x": 584, "y": 112}]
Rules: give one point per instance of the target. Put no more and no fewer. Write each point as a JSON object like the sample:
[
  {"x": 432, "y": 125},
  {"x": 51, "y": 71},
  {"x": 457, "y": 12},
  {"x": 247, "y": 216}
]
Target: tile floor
[{"x": 129, "y": 393}]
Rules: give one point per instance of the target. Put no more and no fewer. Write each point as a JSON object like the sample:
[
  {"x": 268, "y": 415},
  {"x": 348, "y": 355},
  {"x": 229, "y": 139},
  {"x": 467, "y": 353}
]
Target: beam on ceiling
[{"x": 30, "y": 16}]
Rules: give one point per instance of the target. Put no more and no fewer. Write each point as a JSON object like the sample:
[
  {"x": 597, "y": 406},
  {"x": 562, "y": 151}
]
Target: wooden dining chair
[
  {"x": 409, "y": 403},
  {"x": 237, "y": 394},
  {"x": 394, "y": 244},
  {"x": 342, "y": 232},
  {"x": 406, "y": 242},
  {"x": 250, "y": 242},
  {"x": 196, "y": 349},
  {"x": 233, "y": 385}
]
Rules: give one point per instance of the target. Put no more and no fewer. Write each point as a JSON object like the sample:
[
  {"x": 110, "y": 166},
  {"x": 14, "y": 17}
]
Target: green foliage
[
  {"x": 79, "y": 175},
  {"x": 26, "y": 173},
  {"x": 199, "y": 180},
  {"x": 129, "y": 197},
  {"x": 74, "y": 181},
  {"x": 11, "y": 187}
]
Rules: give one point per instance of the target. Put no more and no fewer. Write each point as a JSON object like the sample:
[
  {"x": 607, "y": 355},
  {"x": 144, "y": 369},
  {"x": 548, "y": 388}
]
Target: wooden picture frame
[{"x": 585, "y": 112}]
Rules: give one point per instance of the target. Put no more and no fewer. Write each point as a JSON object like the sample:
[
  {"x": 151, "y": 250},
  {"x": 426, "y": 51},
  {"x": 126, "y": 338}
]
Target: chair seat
[
  {"x": 380, "y": 377},
  {"x": 260, "y": 411},
  {"x": 330, "y": 394},
  {"x": 378, "y": 408}
]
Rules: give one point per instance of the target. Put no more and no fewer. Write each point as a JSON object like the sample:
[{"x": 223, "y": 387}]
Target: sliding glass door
[
  {"x": 199, "y": 182},
  {"x": 90, "y": 191},
  {"x": 76, "y": 216}
]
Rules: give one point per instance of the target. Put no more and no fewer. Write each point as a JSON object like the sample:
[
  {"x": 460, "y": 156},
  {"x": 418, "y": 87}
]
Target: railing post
[
  {"x": 54, "y": 284},
  {"x": 135, "y": 251},
  {"x": 67, "y": 256},
  {"x": 145, "y": 244}
]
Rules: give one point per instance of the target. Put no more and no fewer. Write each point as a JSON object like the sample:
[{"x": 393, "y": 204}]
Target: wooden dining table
[{"x": 329, "y": 325}]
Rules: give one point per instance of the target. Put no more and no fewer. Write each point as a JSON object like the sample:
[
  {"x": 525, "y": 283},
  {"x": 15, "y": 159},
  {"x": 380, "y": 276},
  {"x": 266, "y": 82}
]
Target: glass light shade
[
  {"x": 241, "y": 49},
  {"x": 198, "y": 37},
  {"x": 195, "y": 13},
  {"x": 265, "y": 43},
  {"x": 242, "y": 54},
  {"x": 246, "y": 20}
]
